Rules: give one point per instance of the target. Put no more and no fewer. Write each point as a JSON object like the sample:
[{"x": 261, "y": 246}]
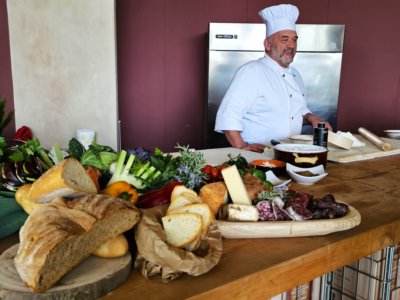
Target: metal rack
[{"x": 375, "y": 277}]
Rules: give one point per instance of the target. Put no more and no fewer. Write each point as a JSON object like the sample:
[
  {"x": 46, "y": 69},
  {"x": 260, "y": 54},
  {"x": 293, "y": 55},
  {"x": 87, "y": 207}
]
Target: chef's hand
[
  {"x": 314, "y": 120},
  {"x": 254, "y": 147},
  {"x": 235, "y": 139}
]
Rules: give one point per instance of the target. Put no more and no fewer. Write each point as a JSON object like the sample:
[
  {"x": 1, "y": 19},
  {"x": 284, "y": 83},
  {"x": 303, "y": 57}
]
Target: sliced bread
[
  {"x": 178, "y": 202},
  {"x": 193, "y": 198},
  {"x": 178, "y": 190},
  {"x": 182, "y": 229},
  {"x": 201, "y": 209},
  {"x": 193, "y": 245},
  {"x": 66, "y": 179}
]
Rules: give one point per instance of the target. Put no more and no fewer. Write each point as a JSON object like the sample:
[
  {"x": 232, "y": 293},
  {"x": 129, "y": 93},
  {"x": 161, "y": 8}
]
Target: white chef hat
[{"x": 279, "y": 17}]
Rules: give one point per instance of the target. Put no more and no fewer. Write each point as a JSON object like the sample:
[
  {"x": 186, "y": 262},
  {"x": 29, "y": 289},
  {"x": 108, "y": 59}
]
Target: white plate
[
  {"x": 319, "y": 172},
  {"x": 393, "y": 133}
]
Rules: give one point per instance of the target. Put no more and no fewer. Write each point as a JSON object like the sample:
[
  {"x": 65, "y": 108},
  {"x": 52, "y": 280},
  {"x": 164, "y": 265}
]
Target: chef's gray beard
[{"x": 285, "y": 61}]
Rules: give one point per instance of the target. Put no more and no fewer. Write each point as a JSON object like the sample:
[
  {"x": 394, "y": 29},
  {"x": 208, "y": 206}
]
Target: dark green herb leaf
[{"x": 76, "y": 149}]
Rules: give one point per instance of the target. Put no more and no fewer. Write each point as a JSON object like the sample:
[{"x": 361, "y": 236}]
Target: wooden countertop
[{"x": 262, "y": 268}]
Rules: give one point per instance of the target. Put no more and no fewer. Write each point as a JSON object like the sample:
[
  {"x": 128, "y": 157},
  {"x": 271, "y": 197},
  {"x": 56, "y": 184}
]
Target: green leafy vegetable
[
  {"x": 240, "y": 162},
  {"x": 56, "y": 153},
  {"x": 138, "y": 174},
  {"x": 31, "y": 148},
  {"x": 98, "y": 156},
  {"x": 3, "y": 146},
  {"x": 75, "y": 149}
]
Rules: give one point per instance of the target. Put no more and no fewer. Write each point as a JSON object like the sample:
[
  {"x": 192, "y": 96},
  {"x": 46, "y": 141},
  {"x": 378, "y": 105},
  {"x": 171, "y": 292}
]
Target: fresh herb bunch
[
  {"x": 141, "y": 153},
  {"x": 273, "y": 192},
  {"x": 167, "y": 164},
  {"x": 240, "y": 162},
  {"x": 189, "y": 171}
]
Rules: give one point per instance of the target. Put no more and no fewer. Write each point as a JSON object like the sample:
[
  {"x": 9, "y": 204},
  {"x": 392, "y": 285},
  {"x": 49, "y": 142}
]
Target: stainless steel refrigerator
[{"x": 318, "y": 59}]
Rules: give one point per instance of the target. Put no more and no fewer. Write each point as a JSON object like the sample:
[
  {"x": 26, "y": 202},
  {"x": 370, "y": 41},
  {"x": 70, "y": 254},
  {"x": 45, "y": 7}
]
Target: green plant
[{"x": 4, "y": 120}]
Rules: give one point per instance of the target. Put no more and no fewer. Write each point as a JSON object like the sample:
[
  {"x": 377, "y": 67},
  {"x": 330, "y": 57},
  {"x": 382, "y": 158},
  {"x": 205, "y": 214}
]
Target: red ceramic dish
[
  {"x": 268, "y": 163},
  {"x": 276, "y": 166}
]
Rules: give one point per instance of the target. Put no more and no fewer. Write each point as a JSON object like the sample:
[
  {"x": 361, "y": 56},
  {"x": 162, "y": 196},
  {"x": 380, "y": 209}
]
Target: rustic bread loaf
[
  {"x": 66, "y": 179},
  {"x": 215, "y": 194},
  {"x": 116, "y": 247},
  {"x": 58, "y": 236}
]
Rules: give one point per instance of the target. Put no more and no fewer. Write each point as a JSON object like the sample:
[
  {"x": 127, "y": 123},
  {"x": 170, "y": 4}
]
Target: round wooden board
[
  {"x": 91, "y": 279},
  {"x": 276, "y": 229}
]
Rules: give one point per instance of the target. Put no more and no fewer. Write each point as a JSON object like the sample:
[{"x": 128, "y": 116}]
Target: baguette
[
  {"x": 22, "y": 198},
  {"x": 58, "y": 236},
  {"x": 66, "y": 179}
]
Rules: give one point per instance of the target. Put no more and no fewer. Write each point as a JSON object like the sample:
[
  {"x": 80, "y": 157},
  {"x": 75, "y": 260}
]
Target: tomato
[
  {"x": 221, "y": 167},
  {"x": 207, "y": 169},
  {"x": 214, "y": 173}
]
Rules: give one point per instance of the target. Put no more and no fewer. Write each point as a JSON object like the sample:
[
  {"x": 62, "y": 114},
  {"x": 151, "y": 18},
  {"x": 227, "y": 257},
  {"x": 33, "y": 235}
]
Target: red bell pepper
[{"x": 157, "y": 197}]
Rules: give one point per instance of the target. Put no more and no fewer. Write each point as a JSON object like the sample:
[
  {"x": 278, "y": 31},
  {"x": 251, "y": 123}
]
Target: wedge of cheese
[{"x": 235, "y": 186}]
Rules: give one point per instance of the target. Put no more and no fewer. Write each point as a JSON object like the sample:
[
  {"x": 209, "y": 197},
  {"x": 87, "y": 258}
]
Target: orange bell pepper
[
  {"x": 122, "y": 190},
  {"x": 94, "y": 174}
]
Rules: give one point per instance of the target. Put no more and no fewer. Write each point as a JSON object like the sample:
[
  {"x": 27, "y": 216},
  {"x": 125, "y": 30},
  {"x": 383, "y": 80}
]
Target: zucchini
[
  {"x": 8, "y": 206},
  {"x": 12, "y": 223}
]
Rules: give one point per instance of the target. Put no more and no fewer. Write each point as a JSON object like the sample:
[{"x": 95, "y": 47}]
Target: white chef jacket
[{"x": 264, "y": 101}]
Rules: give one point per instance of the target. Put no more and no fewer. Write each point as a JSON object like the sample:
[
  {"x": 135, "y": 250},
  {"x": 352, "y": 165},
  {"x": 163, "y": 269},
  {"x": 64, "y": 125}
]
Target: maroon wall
[
  {"x": 6, "y": 89},
  {"x": 162, "y": 49},
  {"x": 162, "y": 64}
]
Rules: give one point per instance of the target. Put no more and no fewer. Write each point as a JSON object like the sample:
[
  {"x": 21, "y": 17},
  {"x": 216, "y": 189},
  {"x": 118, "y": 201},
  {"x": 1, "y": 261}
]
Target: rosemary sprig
[{"x": 190, "y": 164}]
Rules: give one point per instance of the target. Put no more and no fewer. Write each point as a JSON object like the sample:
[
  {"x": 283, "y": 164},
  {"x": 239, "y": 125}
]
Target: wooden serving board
[
  {"x": 91, "y": 279},
  {"x": 369, "y": 151},
  {"x": 278, "y": 229}
]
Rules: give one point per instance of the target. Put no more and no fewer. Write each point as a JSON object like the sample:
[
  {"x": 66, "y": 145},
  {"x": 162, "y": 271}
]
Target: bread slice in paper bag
[{"x": 159, "y": 261}]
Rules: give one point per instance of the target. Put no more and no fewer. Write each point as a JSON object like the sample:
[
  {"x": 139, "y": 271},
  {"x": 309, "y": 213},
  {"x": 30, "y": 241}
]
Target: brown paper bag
[{"x": 158, "y": 261}]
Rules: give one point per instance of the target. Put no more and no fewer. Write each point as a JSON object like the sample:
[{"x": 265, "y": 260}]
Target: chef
[{"x": 267, "y": 98}]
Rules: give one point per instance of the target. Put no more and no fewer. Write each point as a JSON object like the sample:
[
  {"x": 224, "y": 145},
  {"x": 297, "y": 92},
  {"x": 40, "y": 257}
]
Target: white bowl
[
  {"x": 393, "y": 133},
  {"x": 318, "y": 171},
  {"x": 275, "y": 180}
]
